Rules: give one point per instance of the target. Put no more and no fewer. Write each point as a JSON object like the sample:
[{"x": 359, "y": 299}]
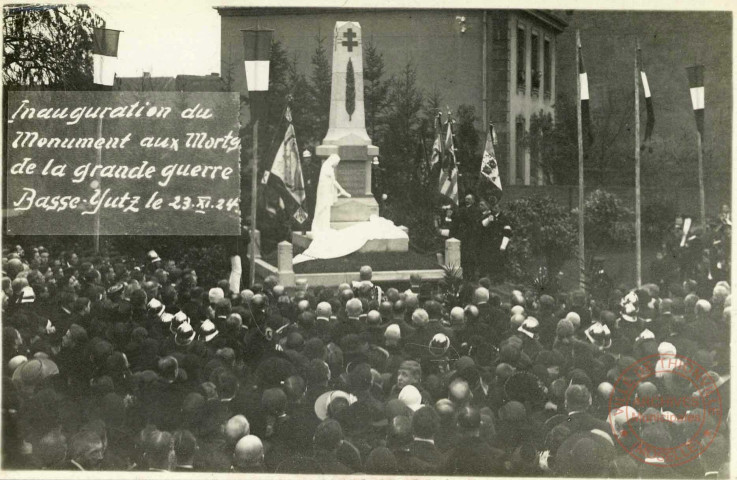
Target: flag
[
  {"x": 585, "y": 109},
  {"x": 489, "y": 181},
  {"x": 104, "y": 55},
  {"x": 696, "y": 84},
  {"x": 648, "y": 98},
  {"x": 437, "y": 146},
  {"x": 423, "y": 164},
  {"x": 448, "y": 181},
  {"x": 285, "y": 177}
]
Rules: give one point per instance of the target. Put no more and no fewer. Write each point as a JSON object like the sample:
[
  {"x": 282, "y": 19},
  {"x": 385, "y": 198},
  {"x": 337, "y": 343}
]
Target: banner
[{"x": 146, "y": 163}]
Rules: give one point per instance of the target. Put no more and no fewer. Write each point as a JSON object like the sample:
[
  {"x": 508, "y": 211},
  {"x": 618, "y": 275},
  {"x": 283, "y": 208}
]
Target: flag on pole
[
  {"x": 696, "y": 84},
  {"x": 448, "y": 181},
  {"x": 285, "y": 178},
  {"x": 489, "y": 181},
  {"x": 423, "y": 164},
  {"x": 437, "y": 146},
  {"x": 104, "y": 55},
  {"x": 650, "y": 124},
  {"x": 585, "y": 109}
]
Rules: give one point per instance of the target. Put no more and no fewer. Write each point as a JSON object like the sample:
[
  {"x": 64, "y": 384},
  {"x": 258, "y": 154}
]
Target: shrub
[
  {"x": 541, "y": 228},
  {"x": 608, "y": 222},
  {"x": 657, "y": 219}
]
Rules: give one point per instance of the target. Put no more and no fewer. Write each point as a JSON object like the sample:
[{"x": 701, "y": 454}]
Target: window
[
  {"x": 519, "y": 173},
  {"x": 535, "y": 63},
  {"x": 547, "y": 69},
  {"x": 521, "y": 60}
]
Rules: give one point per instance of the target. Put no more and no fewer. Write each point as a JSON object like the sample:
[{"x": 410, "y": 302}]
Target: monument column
[{"x": 347, "y": 136}]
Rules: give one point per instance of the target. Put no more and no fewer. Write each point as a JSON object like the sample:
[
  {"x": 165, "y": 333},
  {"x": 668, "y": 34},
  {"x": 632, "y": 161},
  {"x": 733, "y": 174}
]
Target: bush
[
  {"x": 541, "y": 228},
  {"x": 657, "y": 219},
  {"x": 607, "y": 221}
]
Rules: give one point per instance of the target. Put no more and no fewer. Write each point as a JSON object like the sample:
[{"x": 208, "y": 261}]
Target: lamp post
[{"x": 257, "y": 51}]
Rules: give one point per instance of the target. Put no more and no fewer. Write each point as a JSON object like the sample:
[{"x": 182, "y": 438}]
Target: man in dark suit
[
  {"x": 425, "y": 424},
  {"x": 465, "y": 228},
  {"x": 472, "y": 455},
  {"x": 578, "y": 419},
  {"x": 494, "y": 232}
]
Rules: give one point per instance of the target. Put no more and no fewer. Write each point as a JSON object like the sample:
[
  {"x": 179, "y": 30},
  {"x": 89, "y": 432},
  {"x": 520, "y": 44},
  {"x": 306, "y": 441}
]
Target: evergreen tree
[
  {"x": 321, "y": 83},
  {"x": 403, "y": 126},
  {"x": 467, "y": 143},
  {"x": 376, "y": 91}
]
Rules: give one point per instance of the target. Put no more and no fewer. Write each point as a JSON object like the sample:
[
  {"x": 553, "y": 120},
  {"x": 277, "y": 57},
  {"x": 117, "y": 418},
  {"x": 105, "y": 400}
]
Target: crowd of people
[{"x": 113, "y": 364}]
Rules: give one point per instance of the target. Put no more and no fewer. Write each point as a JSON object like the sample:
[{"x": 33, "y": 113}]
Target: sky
[{"x": 170, "y": 37}]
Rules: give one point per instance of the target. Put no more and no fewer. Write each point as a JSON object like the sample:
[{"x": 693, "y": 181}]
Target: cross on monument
[{"x": 349, "y": 43}]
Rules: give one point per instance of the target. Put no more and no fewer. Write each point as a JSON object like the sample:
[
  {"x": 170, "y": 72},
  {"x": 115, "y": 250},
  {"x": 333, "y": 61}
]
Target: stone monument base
[
  {"x": 349, "y": 211},
  {"x": 303, "y": 241}
]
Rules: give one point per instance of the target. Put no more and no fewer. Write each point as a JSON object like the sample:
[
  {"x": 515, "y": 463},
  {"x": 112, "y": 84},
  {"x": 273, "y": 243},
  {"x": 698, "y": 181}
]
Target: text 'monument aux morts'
[{"x": 145, "y": 162}]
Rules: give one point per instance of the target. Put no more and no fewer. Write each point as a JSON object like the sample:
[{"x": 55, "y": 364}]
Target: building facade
[{"x": 502, "y": 62}]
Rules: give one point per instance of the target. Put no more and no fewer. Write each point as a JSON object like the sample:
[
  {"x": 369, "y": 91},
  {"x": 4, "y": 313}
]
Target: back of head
[
  {"x": 248, "y": 452},
  {"x": 425, "y": 422},
  {"x": 354, "y": 308},
  {"x": 52, "y": 449},
  {"x": 469, "y": 418},
  {"x": 324, "y": 310},
  {"x": 381, "y": 461},
  {"x": 400, "y": 431},
  {"x": 236, "y": 428},
  {"x": 577, "y": 398},
  {"x": 328, "y": 435},
  {"x": 159, "y": 449},
  {"x": 185, "y": 446},
  {"x": 481, "y": 295},
  {"x": 459, "y": 392},
  {"x": 365, "y": 273},
  {"x": 168, "y": 368}
]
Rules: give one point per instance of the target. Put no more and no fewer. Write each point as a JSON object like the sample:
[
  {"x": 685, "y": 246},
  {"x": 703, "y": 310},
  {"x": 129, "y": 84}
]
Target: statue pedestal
[{"x": 354, "y": 175}]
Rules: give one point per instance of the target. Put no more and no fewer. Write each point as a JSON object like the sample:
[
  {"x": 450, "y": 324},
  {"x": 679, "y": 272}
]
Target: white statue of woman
[{"x": 328, "y": 191}]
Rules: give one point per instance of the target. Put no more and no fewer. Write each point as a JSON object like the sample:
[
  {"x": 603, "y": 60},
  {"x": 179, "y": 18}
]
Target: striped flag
[
  {"x": 650, "y": 124},
  {"x": 104, "y": 55},
  {"x": 696, "y": 84},
  {"x": 490, "y": 184},
  {"x": 448, "y": 181},
  {"x": 585, "y": 109},
  {"x": 285, "y": 177},
  {"x": 437, "y": 146}
]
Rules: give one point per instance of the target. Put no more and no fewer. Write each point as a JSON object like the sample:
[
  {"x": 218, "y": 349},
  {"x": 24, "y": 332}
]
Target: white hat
[
  {"x": 215, "y": 295},
  {"x": 323, "y": 402},
  {"x": 411, "y": 397},
  {"x": 27, "y": 295}
]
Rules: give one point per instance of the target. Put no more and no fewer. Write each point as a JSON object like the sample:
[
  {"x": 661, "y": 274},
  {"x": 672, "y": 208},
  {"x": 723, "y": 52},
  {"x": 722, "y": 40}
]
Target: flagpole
[
  {"x": 702, "y": 206},
  {"x": 97, "y": 214},
  {"x": 638, "y": 224},
  {"x": 581, "y": 256},
  {"x": 254, "y": 187}
]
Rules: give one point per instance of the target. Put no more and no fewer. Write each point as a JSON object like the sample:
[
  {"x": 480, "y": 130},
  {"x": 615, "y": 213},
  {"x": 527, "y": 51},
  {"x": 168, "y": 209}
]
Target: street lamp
[{"x": 257, "y": 52}]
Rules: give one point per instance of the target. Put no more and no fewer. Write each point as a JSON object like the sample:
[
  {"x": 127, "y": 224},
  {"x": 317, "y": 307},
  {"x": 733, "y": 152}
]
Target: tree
[
  {"x": 320, "y": 89},
  {"x": 553, "y": 148},
  {"x": 375, "y": 90},
  {"x": 467, "y": 144},
  {"x": 49, "y": 45}
]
